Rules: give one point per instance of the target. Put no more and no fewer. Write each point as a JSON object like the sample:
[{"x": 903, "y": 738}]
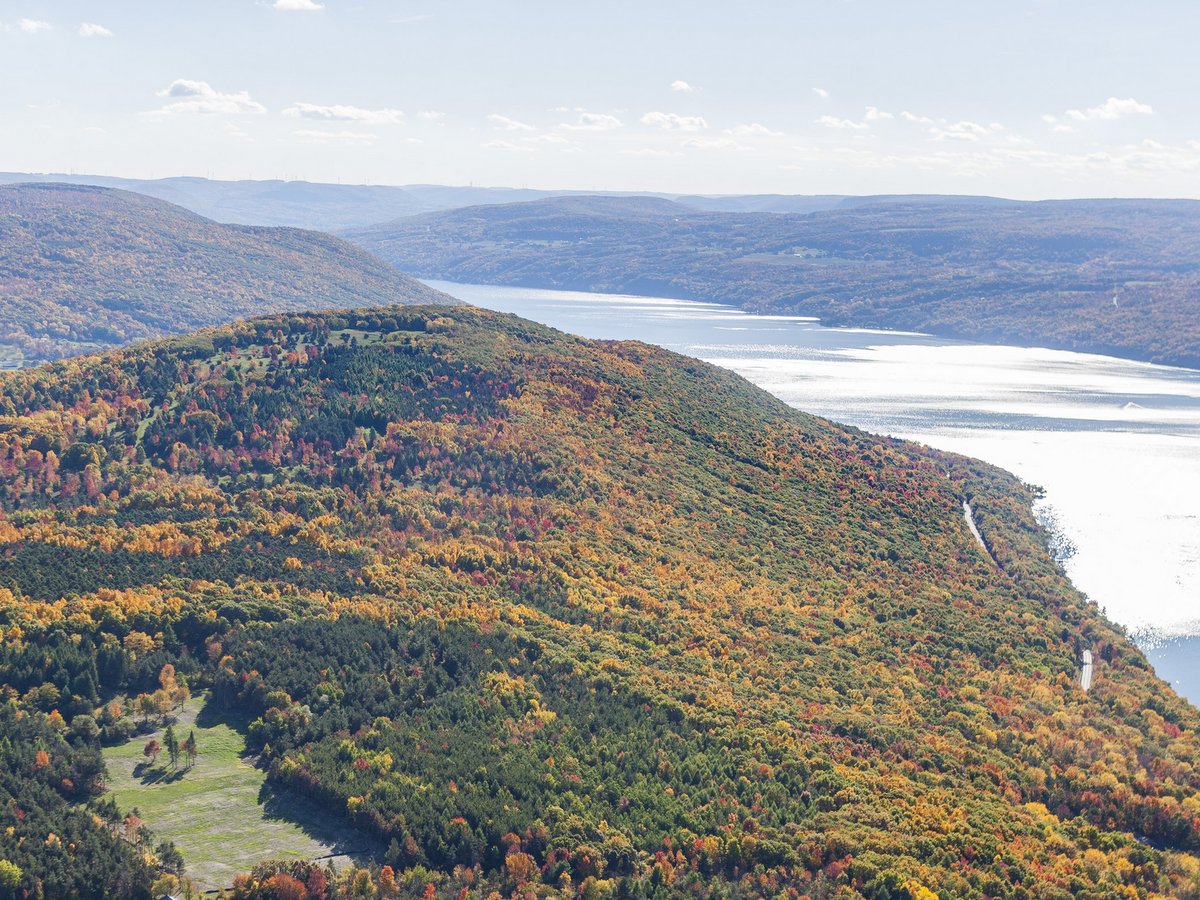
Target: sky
[{"x": 1022, "y": 98}]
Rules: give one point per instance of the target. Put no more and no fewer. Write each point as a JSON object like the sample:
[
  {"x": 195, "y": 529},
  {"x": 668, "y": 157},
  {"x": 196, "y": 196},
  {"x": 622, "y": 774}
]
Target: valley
[
  {"x": 629, "y": 451},
  {"x": 1116, "y": 277}
]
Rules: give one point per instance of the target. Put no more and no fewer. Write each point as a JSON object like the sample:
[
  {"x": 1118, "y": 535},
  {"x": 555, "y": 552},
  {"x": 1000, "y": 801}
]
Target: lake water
[{"x": 1115, "y": 444}]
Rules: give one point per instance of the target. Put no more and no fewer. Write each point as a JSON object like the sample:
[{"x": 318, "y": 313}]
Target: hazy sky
[{"x": 1021, "y": 98}]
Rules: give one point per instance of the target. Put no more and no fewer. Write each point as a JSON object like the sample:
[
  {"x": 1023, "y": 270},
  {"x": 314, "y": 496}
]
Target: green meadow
[{"x": 221, "y": 813}]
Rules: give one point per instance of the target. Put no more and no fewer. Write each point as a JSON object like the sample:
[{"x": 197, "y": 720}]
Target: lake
[{"x": 1115, "y": 444}]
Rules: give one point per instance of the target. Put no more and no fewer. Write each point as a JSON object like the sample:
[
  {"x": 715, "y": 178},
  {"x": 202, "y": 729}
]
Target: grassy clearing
[{"x": 220, "y": 813}]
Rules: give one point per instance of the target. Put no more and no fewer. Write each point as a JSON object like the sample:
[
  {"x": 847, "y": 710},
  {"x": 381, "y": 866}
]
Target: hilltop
[
  {"x": 541, "y": 613},
  {"x": 84, "y": 268},
  {"x": 1109, "y": 276}
]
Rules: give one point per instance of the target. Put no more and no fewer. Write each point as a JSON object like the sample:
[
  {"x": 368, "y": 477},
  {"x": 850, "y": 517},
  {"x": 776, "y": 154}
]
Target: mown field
[
  {"x": 220, "y": 813},
  {"x": 546, "y": 615}
]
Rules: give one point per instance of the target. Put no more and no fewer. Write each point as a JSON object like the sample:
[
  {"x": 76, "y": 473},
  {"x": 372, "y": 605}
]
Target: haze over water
[{"x": 1114, "y": 443}]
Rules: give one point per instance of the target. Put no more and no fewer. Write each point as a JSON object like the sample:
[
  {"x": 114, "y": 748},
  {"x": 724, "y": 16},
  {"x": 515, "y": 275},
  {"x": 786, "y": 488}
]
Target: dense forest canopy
[
  {"x": 85, "y": 268},
  {"x": 1107, "y": 276},
  {"x": 577, "y": 618}
]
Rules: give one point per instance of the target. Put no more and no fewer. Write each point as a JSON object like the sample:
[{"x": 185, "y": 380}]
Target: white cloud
[
  {"x": 1056, "y": 125},
  {"x": 674, "y": 121},
  {"x": 964, "y": 131},
  {"x": 875, "y": 115},
  {"x": 506, "y": 145},
  {"x": 1143, "y": 163},
  {"x": 821, "y": 92},
  {"x": 681, "y": 86},
  {"x": 189, "y": 96},
  {"x": 754, "y": 129},
  {"x": 506, "y": 124},
  {"x": 431, "y": 115},
  {"x": 650, "y": 151},
  {"x": 314, "y": 136},
  {"x": 594, "y": 122},
  {"x": 297, "y": 6},
  {"x": 714, "y": 144},
  {"x": 835, "y": 122},
  {"x": 92, "y": 30},
  {"x": 1112, "y": 108},
  {"x": 548, "y": 139},
  {"x": 912, "y": 117},
  {"x": 33, "y": 26},
  {"x": 340, "y": 113}
]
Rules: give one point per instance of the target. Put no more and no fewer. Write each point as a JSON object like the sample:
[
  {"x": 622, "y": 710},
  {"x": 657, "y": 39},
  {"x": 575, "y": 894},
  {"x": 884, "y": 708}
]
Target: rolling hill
[
  {"x": 292, "y": 204},
  {"x": 1110, "y": 276},
  {"x": 83, "y": 268},
  {"x": 331, "y": 207},
  {"x": 560, "y": 617}
]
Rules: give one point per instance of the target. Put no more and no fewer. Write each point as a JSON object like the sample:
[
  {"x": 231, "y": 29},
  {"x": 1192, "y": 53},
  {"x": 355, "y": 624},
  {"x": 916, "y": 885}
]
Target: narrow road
[
  {"x": 1085, "y": 674},
  {"x": 969, "y": 515}
]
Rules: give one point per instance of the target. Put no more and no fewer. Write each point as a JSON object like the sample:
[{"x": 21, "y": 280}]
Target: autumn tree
[
  {"x": 146, "y": 706},
  {"x": 10, "y": 877},
  {"x": 151, "y": 750},
  {"x": 173, "y": 691},
  {"x": 133, "y": 827},
  {"x": 283, "y": 886}
]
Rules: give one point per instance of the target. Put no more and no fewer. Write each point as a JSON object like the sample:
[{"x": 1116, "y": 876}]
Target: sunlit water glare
[{"x": 1115, "y": 444}]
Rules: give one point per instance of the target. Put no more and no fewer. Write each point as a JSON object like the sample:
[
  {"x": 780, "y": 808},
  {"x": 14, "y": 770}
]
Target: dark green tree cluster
[
  {"x": 57, "y": 838},
  {"x": 552, "y": 615}
]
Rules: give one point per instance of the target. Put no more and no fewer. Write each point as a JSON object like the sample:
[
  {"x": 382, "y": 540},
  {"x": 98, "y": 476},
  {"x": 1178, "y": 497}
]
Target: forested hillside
[
  {"x": 83, "y": 268},
  {"x": 328, "y": 207},
  {"x": 1109, "y": 276},
  {"x": 563, "y": 617}
]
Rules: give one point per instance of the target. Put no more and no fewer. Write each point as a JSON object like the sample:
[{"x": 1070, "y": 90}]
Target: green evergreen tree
[
  {"x": 190, "y": 750},
  {"x": 171, "y": 745}
]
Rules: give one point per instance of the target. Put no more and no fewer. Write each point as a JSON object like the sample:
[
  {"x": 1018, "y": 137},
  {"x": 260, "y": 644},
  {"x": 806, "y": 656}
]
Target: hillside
[
  {"x": 574, "y": 617},
  {"x": 84, "y": 268},
  {"x": 330, "y": 207},
  {"x": 1111, "y": 276},
  {"x": 293, "y": 204}
]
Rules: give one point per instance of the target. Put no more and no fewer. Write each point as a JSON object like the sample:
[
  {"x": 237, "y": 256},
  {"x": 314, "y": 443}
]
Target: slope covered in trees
[
  {"x": 83, "y": 268},
  {"x": 574, "y": 617},
  {"x": 1109, "y": 276},
  {"x": 328, "y": 207}
]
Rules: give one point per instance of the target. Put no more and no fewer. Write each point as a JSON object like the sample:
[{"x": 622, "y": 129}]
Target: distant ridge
[
  {"x": 332, "y": 207},
  {"x": 85, "y": 268},
  {"x": 1120, "y": 277}
]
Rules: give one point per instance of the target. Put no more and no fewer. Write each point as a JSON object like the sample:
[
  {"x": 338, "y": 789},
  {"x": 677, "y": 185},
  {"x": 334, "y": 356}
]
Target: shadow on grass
[
  {"x": 318, "y": 823},
  {"x": 279, "y": 803},
  {"x": 211, "y": 714},
  {"x": 148, "y": 774}
]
